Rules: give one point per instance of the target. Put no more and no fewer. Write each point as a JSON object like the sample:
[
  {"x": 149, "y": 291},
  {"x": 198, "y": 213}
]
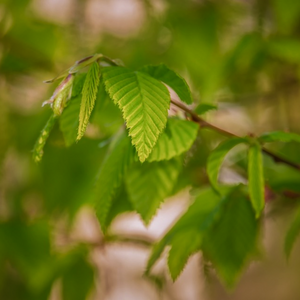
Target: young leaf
[
  {"x": 172, "y": 79},
  {"x": 292, "y": 234},
  {"x": 203, "y": 108},
  {"x": 279, "y": 136},
  {"x": 149, "y": 184},
  {"x": 89, "y": 94},
  {"x": 68, "y": 122},
  {"x": 256, "y": 178},
  {"x": 112, "y": 170},
  {"x": 40, "y": 143},
  {"x": 183, "y": 246},
  {"x": 80, "y": 64},
  {"x": 175, "y": 140},
  {"x": 230, "y": 242},
  {"x": 144, "y": 102},
  {"x": 217, "y": 156}
]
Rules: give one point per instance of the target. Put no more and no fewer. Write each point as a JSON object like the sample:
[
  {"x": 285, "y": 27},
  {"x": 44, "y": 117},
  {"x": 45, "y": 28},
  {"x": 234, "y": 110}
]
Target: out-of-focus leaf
[
  {"x": 217, "y": 156},
  {"x": 172, "y": 79},
  {"x": 183, "y": 246},
  {"x": 148, "y": 184},
  {"x": 199, "y": 216},
  {"x": 286, "y": 49},
  {"x": 113, "y": 167},
  {"x": 38, "y": 149},
  {"x": 77, "y": 279},
  {"x": 231, "y": 241},
  {"x": 144, "y": 102},
  {"x": 175, "y": 140},
  {"x": 292, "y": 234},
  {"x": 256, "y": 178},
  {"x": 203, "y": 108},
  {"x": 279, "y": 136}
]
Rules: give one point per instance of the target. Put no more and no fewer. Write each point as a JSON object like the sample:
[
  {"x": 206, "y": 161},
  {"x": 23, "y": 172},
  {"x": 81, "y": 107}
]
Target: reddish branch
[{"x": 204, "y": 124}]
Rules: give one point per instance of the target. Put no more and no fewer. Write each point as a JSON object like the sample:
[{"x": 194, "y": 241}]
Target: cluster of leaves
[{"x": 145, "y": 158}]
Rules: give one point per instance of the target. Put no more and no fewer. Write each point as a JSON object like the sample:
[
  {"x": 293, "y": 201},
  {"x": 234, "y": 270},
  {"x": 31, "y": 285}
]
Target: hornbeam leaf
[
  {"x": 38, "y": 149},
  {"x": 232, "y": 239},
  {"x": 200, "y": 216},
  {"x": 144, "y": 102},
  {"x": 172, "y": 79},
  {"x": 110, "y": 177},
  {"x": 292, "y": 234},
  {"x": 279, "y": 136},
  {"x": 217, "y": 156},
  {"x": 89, "y": 94},
  {"x": 256, "y": 178},
  {"x": 183, "y": 246},
  {"x": 80, "y": 64},
  {"x": 148, "y": 184},
  {"x": 203, "y": 108},
  {"x": 175, "y": 140}
]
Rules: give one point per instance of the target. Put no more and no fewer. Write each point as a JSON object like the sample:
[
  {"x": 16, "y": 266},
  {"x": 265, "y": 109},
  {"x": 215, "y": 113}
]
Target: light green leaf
[
  {"x": 217, "y": 156},
  {"x": 231, "y": 241},
  {"x": 279, "y": 136},
  {"x": 89, "y": 94},
  {"x": 112, "y": 170},
  {"x": 68, "y": 122},
  {"x": 40, "y": 143},
  {"x": 148, "y": 184},
  {"x": 256, "y": 178},
  {"x": 144, "y": 102},
  {"x": 203, "y": 108},
  {"x": 175, "y": 140},
  {"x": 292, "y": 234},
  {"x": 183, "y": 246},
  {"x": 172, "y": 79}
]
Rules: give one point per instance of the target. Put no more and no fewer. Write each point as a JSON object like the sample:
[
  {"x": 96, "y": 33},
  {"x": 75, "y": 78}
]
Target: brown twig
[{"x": 204, "y": 124}]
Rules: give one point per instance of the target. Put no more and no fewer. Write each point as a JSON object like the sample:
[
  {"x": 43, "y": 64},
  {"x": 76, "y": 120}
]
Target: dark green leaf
[
  {"x": 111, "y": 173},
  {"x": 172, "y": 79},
  {"x": 279, "y": 136},
  {"x": 292, "y": 234},
  {"x": 230, "y": 242},
  {"x": 256, "y": 178}
]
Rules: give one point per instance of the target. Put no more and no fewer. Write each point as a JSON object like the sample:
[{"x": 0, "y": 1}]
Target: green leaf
[
  {"x": 75, "y": 287},
  {"x": 68, "y": 122},
  {"x": 203, "y": 108},
  {"x": 279, "y": 136},
  {"x": 148, "y": 184},
  {"x": 292, "y": 234},
  {"x": 172, "y": 79},
  {"x": 110, "y": 177},
  {"x": 199, "y": 216},
  {"x": 230, "y": 242},
  {"x": 183, "y": 246},
  {"x": 89, "y": 94},
  {"x": 217, "y": 156},
  {"x": 40, "y": 143},
  {"x": 256, "y": 178},
  {"x": 144, "y": 102},
  {"x": 175, "y": 140}
]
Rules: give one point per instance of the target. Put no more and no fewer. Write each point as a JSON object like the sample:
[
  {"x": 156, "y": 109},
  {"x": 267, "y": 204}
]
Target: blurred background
[{"x": 242, "y": 55}]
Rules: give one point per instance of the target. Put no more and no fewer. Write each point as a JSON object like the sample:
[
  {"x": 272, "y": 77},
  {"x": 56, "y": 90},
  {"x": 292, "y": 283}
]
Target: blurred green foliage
[{"x": 245, "y": 54}]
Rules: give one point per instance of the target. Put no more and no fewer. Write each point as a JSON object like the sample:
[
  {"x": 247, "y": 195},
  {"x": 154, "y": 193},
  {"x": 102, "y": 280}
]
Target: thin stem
[{"x": 195, "y": 118}]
